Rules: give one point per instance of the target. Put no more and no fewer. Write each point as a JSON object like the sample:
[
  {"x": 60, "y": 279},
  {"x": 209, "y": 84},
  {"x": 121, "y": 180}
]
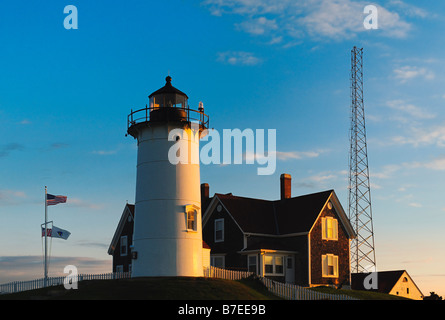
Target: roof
[
  {"x": 280, "y": 217},
  {"x": 168, "y": 88},
  {"x": 386, "y": 280},
  {"x": 128, "y": 209}
]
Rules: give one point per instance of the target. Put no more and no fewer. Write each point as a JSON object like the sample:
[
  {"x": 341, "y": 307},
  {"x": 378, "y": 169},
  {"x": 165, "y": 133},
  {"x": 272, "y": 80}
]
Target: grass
[
  {"x": 174, "y": 288},
  {"x": 362, "y": 295},
  {"x": 159, "y": 288}
]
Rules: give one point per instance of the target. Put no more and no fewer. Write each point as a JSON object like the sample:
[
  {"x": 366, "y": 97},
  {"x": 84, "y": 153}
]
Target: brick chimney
[
  {"x": 205, "y": 193},
  {"x": 285, "y": 186}
]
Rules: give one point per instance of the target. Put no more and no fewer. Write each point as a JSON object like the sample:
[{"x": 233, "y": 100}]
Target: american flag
[{"x": 52, "y": 200}]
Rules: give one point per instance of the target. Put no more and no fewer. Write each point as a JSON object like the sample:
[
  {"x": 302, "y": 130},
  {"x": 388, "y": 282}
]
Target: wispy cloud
[
  {"x": 104, "y": 152},
  {"x": 416, "y": 137},
  {"x": 6, "y": 149},
  {"x": 406, "y": 73},
  {"x": 238, "y": 58},
  {"x": 76, "y": 202},
  {"x": 21, "y": 268},
  {"x": 408, "y": 112},
  {"x": 317, "y": 181},
  {"x": 320, "y": 19},
  {"x": 11, "y": 197}
]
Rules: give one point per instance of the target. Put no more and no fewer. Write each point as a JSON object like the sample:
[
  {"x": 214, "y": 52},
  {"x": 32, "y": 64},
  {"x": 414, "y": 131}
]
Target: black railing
[{"x": 189, "y": 115}]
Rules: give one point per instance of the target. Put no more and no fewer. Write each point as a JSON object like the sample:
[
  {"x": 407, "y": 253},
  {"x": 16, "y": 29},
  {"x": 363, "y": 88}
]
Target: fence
[
  {"x": 18, "y": 286},
  {"x": 284, "y": 290}
]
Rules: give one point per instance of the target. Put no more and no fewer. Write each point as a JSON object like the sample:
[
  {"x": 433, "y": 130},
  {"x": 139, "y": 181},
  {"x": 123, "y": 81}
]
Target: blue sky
[{"x": 284, "y": 65}]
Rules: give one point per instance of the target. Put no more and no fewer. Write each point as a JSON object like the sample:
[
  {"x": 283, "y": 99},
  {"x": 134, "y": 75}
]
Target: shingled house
[
  {"x": 302, "y": 240},
  {"x": 396, "y": 282}
]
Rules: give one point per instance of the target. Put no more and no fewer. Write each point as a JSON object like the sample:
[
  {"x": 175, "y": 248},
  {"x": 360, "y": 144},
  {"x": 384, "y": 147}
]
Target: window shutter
[
  {"x": 324, "y": 265},
  {"x": 335, "y": 229},
  {"x": 335, "y": 258},
  {"x": 323, "y": 228}
]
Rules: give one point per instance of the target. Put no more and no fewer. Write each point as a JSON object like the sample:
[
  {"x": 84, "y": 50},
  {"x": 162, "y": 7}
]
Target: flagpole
[{"x": 46, "y": 240}]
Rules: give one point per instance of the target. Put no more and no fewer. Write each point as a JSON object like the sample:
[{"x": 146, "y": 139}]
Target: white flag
[
  {"x": 60, "y": 233},
  {"x": 55, "y": 232}
]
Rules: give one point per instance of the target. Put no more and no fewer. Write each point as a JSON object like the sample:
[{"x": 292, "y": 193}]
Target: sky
[{"x": 285, "y": 65}]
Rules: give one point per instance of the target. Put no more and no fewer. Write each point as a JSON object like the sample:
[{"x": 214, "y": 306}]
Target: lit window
[
  {"x": 273, "y": 264},
  {"x": 329, "y": 228},
  {"x": 191, "y": 220},
  {"x": 329, "y": 265}
]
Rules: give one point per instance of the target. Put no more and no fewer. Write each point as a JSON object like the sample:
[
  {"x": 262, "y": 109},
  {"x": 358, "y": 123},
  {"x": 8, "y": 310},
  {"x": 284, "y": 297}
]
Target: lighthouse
[{"x": 167, "y": 236}]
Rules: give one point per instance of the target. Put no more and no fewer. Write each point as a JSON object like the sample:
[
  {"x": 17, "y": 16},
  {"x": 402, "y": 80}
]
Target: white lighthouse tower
[{"x": 167, "y": 237}]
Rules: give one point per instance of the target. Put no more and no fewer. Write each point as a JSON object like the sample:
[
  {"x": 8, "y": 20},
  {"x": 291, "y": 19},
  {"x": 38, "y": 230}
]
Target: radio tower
[{"x": 360, "y": 214}]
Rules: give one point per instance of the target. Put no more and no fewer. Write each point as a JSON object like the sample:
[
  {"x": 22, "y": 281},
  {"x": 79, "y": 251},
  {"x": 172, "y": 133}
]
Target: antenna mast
[{"x": 359, "y": 204}]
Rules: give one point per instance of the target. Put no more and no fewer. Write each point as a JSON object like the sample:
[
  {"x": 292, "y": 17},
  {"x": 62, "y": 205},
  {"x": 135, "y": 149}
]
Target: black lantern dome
[{"x": 167, "y": 104}]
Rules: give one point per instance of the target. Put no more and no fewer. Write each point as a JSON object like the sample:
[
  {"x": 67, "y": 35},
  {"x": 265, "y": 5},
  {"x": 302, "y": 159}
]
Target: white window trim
[
  {"x": 325, "y": 265},
  {"x": 212, "y": 259},
  {"x": 324, "y": 228},
  {"x": 274, "y": 270},
  {"x": 126, "y": 246},
  {"x": 222, "y": 229},
  {"x": 188, "y": 208},
  {"x": 256, "y": 262}
]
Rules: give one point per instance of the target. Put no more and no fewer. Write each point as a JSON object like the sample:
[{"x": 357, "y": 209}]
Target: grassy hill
[
  {"x": 171, "y": 288},
  {"x": 159, "y": 288}
]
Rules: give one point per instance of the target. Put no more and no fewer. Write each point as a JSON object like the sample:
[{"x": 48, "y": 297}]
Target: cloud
[
  {"x": 297, "y": 154},
  {"x": 22, "y": 268},
  {"x": 435, "y": 164},
  {"x": 320, "y": 180},
  {"x": 319, "y": 19},
  {"x": 75, "y": 202},
  {"x": 408, "y": 112},
  {"x": 421, "y": 137},
  {"x": 406, "y": 73},
  {"x": 257, "y": 26},
  {"x": 6, "y": 149},
  {"x": 285, "y": 155},
  {"x": 11, "y": 197},
  {"x": 238, "y": 58},
  {"x": 104, "y": 152}
]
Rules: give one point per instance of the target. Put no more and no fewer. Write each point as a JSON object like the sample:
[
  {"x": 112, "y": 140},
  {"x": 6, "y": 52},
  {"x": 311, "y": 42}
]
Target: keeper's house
[{"x": 302, "y": 240}]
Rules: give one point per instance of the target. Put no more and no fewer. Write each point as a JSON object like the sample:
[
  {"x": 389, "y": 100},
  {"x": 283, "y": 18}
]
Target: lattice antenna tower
[{"x": 359, "y": 211}]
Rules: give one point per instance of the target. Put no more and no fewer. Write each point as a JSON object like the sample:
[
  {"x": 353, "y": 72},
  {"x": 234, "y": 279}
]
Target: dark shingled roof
[
  {"x": 386, "y": 280},
  {"x": 279, "y": 217}
]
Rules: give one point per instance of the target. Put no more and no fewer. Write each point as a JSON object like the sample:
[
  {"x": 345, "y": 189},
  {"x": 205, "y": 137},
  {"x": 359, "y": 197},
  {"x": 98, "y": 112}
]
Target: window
[
  {"x": 219, "y": 230},
  {"x": 191, "y": 217},
  {"x": 329, "y": 265},
  {"x": 120, "y": 268},
  {"x": 252, "y": 263},
  {"x": 191, "y": 220},
  {"x": 329, "y": 228},
  {"x": 273, "y": 264},
  {"x": 217, "y": 261},
  {"x": 124, "y": 248}
]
